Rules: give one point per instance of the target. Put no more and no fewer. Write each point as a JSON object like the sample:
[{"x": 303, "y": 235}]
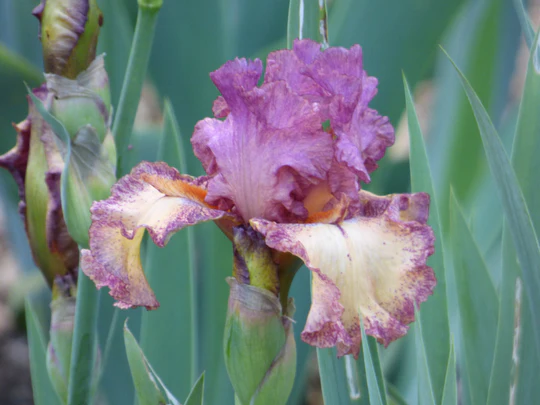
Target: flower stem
[
  {"x": 133, "y": 80},
  {"x": 83, "y": 352}
]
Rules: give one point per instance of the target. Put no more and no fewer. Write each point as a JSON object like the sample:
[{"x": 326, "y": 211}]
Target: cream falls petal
[
  {"x": 155, "y": 197},
  {"x": 372, "y": 267}
]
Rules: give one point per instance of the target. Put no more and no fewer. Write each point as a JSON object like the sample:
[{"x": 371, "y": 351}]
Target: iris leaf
[
  {"x": 525, "y": 162},
  {"x": 42, "y": 388},
  {"x": 435, "y": 326},
  {"x": 525, "y": 21},
  {"x": 377, "y": 393},
  {"x": 196, "y": 396},
  {"x": 150, "y": 389},
  {"x": 425, "y": 388},
  {"x": 515, "y": 207},
  {"x": 478, "y": 306},
  {"x": 333, "y": 380},
  {"x": 450, "y": 384}
]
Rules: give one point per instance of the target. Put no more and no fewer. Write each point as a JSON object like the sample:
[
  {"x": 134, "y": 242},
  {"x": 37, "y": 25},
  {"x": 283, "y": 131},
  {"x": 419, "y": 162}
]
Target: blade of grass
[
  {"x": 525, "y": 21},
  {"x": 42, "y": 389},
  {"x": 435, "y": 324},
  {"x": 477, "y": 303},
  {"x": 333, "y": 381},
  {"x": 425, "y": 388},
  {"x": 134, "y": 80},
  {"x": 148, "y": 392},
  {"x": 483, "y": 31},
  {"x": 196, "y": 396},
  {"x": 515, "y": 207},
  {"x": 169, "y": 336},
  {"x": 377, "y": 393},
  {"x": 450, "y": 383},
  {"x": 148, "y": 385},
  {"x": 525, "y": 162},
  {"x": 394, "y": 396}
]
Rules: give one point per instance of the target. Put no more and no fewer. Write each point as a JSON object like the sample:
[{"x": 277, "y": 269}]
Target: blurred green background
[{"x": 194, "y": 38}]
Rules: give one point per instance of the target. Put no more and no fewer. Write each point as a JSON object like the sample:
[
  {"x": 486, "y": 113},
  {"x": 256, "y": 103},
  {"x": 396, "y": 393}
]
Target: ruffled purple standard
[
  {"x": 267, "y": 152},
  {"x": 270, "y": 150}
]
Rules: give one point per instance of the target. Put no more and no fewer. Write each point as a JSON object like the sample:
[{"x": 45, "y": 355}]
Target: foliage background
[{"x": 192, "y": 39}]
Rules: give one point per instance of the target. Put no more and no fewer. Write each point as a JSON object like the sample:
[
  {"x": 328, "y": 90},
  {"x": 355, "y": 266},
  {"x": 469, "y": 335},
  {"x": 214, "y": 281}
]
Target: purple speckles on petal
[
  {"x": 155, "y": 197},
  {"x": 372, "y": 266}
]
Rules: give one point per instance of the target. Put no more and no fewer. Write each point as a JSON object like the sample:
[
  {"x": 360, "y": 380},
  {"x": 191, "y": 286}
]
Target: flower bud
[
  {"x": 36, "y": 165},
  {"x": 69, "y": 33},
  {"x": 264, "y": 374},
  {"x": 79, "y": 116},
  {"x": 85, "y": 100}
]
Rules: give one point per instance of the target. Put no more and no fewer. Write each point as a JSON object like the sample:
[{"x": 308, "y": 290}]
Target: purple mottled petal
[
  {"x": 335, "y": 82},
  {"x": 155, "y": 197},
  {"x": 265, "y": 154},
  {"x": 235, "y": 78},
  {"x": 220, "y": 108},
  {"x": 370, "y": 266},
  {"x": 363, "y": 141},
  {"x": 16, "y": 161}
]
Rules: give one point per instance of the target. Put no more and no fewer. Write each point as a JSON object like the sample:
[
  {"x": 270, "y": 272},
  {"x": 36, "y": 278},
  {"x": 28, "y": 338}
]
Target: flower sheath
[{"x": 287, "y": 160}]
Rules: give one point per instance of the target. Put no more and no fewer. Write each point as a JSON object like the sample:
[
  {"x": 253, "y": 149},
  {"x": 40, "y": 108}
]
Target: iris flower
[{"x": 287, "y": 159}]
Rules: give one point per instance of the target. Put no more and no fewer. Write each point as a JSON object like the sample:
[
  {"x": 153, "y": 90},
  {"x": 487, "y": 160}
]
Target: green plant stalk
[
  {"x": 83, "y": 352},
  {"x": 133, "y": 81}
]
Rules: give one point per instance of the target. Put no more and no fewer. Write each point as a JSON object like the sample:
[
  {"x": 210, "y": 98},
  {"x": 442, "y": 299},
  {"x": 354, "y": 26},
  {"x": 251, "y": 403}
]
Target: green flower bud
[
  {"x": 69, "y": 33},
  {"x": 264, "y": 374},
  {"x": 83, "y": 101},
  {"x": 36, "y": 164},
  {"x": 84, "y": 149}
]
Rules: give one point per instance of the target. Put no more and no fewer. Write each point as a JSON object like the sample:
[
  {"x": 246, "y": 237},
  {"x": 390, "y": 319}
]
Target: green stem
[
  {"x": 133, "y": 81},
  {"x": 83, "y": 352},
  {"x": 193, "y": 303}
]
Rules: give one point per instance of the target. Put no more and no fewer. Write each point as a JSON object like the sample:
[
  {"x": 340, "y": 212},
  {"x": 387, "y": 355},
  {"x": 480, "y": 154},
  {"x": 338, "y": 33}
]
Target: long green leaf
[
  {"x": 425, "y": 388},
  {"x": 42, "y": 388},
  {"x": 435, "y": 324},
  {"x": 525, "y": 21},
  {"x": 478, "y": 306},
  {"x": 196, "y": 396},
  {"x": 483, "y": 41},
  {"x": 525, "y": 162},
  {"x": 169, "y": 335},
  {"x": 450, "y": 384},
  {"x": 147, "y": 384},
  {"x": 515, "y": 207},
  {"x": 377, "y": 391},
  {"x": 333, "y": 380}
]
